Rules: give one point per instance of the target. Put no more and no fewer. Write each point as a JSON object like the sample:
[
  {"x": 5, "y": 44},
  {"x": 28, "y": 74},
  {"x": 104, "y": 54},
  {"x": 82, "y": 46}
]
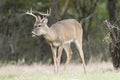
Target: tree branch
[{"x": 64, "y": 8}]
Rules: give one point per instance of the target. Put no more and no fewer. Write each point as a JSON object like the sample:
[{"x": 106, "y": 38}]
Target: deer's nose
[{"x": 33, "y": 32}]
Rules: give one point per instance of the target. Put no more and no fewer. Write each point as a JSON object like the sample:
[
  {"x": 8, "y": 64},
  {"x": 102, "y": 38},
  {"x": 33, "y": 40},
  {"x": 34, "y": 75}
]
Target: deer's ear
[
  {"x": 45, "y": 20},
  {"x": 39, "y": 18}
]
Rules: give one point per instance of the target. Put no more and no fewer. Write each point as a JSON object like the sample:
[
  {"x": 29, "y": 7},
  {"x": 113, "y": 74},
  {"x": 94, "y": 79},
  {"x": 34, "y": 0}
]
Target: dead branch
[{"x": 113, "y": 38}]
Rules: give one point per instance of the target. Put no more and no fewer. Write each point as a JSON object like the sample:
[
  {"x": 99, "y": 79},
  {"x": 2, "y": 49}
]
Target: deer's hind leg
[{"x": 79, "y": 47}]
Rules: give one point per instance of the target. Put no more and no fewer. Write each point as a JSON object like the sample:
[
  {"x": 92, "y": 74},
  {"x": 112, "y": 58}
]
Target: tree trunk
[
  {"x": 54, "y": 5},
  {"x": 113, "y": 37},
  {"x": 114, "y": 47},
  {"x": 112, "y": 10}
]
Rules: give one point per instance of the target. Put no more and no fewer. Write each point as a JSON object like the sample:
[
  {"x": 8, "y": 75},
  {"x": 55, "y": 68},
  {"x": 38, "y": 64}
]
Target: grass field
[{"x": 95, "y": 71}]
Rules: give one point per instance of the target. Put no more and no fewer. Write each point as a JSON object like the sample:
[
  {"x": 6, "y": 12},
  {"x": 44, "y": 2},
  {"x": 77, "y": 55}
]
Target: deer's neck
[{"x": 50, "y": 35}]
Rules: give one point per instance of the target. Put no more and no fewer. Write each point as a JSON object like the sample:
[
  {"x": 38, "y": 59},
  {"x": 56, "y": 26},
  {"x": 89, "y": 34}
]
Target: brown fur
[{"x": 61, "y": 34}]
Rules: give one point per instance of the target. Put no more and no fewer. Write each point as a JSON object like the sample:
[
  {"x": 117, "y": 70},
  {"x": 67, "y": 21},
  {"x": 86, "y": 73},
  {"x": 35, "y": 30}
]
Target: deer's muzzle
[{"x": 33, "y": 34}]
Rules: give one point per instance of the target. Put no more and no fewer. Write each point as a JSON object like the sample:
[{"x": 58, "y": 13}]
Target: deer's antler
[
  {"x": 45, "y": 14},
  {"x": 30, "y": 13}
]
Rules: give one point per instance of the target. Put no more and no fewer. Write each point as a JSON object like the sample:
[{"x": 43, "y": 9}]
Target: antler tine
[
  {"x": 43, "y": 14},
  {"x": 30, "y": 13}
]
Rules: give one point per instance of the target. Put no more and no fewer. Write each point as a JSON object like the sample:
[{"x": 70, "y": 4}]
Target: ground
[{"x": 95, "y": 71}]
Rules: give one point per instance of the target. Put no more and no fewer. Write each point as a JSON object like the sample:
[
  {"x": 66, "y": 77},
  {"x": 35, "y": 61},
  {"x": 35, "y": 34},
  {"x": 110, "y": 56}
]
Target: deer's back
[{"x": 67, "y": 29}]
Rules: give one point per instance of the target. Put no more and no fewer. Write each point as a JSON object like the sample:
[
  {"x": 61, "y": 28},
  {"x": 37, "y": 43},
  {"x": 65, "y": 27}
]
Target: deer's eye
[{"x": 39, "y": 25}]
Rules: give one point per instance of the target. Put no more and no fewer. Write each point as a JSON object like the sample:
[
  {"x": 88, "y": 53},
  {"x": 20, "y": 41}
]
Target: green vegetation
[
  {"x": 95, "y": 71},
  {"x": 17, "y": 45},
  {"x": 63, "y": 76}
]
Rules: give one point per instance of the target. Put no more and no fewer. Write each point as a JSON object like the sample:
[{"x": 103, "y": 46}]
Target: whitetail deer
[{"x": 59, "y": 35}]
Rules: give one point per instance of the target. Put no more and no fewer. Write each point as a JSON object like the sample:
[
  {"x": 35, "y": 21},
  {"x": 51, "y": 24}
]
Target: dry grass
[
  {"x": 45, "y": 72},
  {"x": 71, "y": 68}
]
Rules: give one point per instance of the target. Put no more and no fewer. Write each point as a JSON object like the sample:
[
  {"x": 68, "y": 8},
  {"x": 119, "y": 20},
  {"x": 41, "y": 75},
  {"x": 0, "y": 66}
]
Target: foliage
[{"x": 16, "y": 43}]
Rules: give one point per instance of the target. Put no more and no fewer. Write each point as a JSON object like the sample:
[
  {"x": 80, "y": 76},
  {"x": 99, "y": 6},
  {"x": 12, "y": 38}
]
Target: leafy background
[{"x": 17, "y": 46}]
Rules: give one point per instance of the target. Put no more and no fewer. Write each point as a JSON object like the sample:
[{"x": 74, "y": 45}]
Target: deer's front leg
[
  {"x": 60, "y": 49},
  {"x": 69, "y": 53},
  {"x": 54, "y": 49}
]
